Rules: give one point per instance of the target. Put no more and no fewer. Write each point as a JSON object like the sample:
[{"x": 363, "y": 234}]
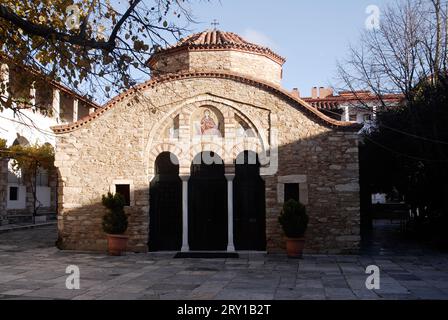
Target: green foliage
[
  {"x": 31, "y": 157},
  {"x": 28, "y": 160},
  {"x": 293, "y": 219},
  {"x": 3, "y": 147},
  {"x": 115, "y": 220}
]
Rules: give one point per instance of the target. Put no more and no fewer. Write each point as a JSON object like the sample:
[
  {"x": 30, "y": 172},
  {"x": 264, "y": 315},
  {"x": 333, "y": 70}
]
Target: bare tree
[{"x": 409, "y": 45}]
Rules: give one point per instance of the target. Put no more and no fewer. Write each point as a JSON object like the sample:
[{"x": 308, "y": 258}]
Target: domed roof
[
  {"x": 212, "y": 37},
  {"x": 220, "y": 40}
]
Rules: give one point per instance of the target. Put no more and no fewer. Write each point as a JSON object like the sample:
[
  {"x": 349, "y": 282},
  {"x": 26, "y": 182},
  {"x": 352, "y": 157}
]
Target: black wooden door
[
  {"x": 165, "y": 225},
  {"x": 207, "y": 207},
  {"x": 249, "y": 207}
]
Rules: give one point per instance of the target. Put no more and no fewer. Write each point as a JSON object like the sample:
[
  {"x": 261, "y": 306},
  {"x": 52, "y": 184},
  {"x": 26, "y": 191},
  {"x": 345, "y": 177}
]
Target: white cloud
[{"x": 259, "y": 38}]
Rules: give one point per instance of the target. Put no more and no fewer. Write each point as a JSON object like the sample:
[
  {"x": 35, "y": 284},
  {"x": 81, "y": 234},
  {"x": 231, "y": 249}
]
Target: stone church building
[{"x": 205, "y": 154}]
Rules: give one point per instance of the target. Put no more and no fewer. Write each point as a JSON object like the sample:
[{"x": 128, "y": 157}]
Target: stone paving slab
[{"x": 32, "y": 268}]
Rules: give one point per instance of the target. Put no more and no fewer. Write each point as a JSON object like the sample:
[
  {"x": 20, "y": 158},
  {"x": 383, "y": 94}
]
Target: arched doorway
[
  {"x": 207, "y": 219},
  {"x": 165, "y": 224},
  {"x": 249, "y": 203}
]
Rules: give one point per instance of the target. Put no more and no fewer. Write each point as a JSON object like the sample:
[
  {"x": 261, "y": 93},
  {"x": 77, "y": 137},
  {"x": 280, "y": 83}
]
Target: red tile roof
[
  {"x": 296, "y": 102},
  {"x": 348, "y": 97},
  {"x": 217, "y": 40}
]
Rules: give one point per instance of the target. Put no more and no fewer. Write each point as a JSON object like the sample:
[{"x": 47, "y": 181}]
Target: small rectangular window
[
  {"x": 291, "y": 191},
  {"x": 13, "y": 193},
  {"x": 125, "y": 191},
  {"x": 352, "y": 117}
]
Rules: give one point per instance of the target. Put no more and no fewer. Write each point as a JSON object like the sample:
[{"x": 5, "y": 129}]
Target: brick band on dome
[{"x": 217, "y": 40}]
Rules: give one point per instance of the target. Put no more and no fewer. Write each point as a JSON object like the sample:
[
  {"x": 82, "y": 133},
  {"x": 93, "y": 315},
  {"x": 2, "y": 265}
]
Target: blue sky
[{"x": 311, "y": 35}]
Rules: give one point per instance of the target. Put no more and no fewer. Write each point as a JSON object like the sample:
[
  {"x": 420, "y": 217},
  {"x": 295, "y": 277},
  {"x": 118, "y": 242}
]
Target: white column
[
  {"x": 56, "y": 105},
  {"x": 230, "y": 245},
  {"x": 185, "y": 245},
  {"x": 91, "y": 110},
  {"x": 75, "y": 110},
  {"x": 346, "y": 114}
]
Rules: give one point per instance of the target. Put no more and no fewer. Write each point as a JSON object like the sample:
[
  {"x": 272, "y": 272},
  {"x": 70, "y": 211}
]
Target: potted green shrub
[
  {"x": 115, "y": 223},
  {"x": 294, "y": 222}
]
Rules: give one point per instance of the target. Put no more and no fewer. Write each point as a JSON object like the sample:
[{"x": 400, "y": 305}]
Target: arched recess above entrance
[
  {"x": 230, "y": 112},
  {"x": 186, "y": 112},
  {"x": 182, "y": 112}
]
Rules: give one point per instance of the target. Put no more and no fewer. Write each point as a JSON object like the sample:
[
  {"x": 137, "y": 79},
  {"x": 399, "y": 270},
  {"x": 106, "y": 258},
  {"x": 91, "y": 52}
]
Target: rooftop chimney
[
  {"x": 314, "y": 93},
  {"x": 295, "y": 92},
  {"x": 325, "y": 92}
]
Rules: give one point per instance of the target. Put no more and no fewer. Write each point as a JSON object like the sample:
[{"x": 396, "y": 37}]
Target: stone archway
[
  {"x": 207, "y": 202},
  {"x": 165, "y": 227}
]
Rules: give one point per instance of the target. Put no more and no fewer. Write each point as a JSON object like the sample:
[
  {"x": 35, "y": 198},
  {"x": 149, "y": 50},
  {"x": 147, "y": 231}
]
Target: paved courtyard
[{"x": 32, "y": 268}]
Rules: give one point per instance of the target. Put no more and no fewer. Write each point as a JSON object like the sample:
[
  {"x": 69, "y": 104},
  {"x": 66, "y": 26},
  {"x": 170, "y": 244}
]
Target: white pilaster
[
  {"x": 75, "y": 110},
  {"x": 56, "y": 104},
  {"x": 346, "y": 114},
  {"x": 230, "y": 244},
  {"x": 185, "y": 245}
]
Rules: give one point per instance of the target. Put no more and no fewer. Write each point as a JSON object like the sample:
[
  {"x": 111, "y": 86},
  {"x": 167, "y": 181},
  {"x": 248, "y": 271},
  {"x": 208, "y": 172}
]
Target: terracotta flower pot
[
  {"x": 294, "y": 247},
  {"x": 117, "y": 244}
]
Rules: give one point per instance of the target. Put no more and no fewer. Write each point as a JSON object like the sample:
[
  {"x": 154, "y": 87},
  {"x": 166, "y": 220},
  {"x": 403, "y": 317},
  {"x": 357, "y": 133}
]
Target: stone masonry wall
[
  {"x": 118, "y": 144},
  {"x": 249, "y": 64}
]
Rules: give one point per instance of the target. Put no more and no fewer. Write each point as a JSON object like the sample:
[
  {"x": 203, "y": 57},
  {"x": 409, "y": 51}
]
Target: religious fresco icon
[{"x": 208, "y": 125}]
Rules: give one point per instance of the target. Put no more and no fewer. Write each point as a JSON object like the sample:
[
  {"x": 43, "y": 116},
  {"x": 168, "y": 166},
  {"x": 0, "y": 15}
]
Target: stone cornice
[
  {"x": 297, "y": 102},
  {"x": 218, "y": 47}
]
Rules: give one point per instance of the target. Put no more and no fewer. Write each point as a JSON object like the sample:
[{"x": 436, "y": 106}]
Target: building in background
[
  {"x": 357, "y": 106},
  {"x": 58, "y": 105}
]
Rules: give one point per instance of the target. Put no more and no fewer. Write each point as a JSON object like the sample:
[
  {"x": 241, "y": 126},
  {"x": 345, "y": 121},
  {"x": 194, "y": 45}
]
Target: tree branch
[
  {"x": 47, "y": 32},
  {"x": 126, "y": 15}
]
